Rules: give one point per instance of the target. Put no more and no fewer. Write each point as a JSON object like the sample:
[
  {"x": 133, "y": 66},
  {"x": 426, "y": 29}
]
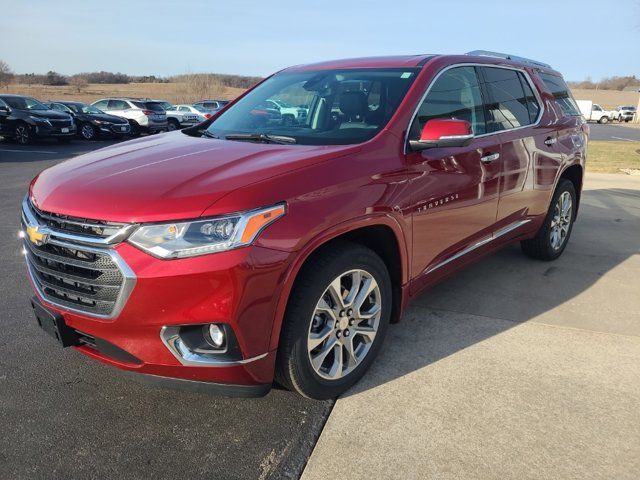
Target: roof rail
[{"x": 506, "y": 56}]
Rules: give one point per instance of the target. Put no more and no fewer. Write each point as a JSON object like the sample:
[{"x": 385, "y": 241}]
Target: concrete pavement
[{"x": 512, "y": 369}]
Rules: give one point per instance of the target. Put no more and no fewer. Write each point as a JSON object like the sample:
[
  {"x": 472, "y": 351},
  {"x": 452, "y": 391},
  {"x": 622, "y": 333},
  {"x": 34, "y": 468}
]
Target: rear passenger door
[
  {"x": 454, "y": 190},
  {"x": 515, "y": 114}
]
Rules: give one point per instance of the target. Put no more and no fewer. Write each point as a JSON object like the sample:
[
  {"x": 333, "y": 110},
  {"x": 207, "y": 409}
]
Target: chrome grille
[
  {"x": 72, "y": 264},
  {"x": 60, "y": 122},
  {"x": 74, "y": 225}
]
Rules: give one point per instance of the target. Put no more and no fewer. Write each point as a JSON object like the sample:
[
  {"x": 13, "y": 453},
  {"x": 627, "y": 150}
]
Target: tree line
[
  {"x": 80, "y": 80},
  {"x": 608, "y": 83}
]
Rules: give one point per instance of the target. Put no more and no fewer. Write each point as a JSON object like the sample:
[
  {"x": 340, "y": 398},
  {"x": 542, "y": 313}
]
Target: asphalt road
[
  {"x": 66, "y": 416},
  {"x": 613, "y": 132}
]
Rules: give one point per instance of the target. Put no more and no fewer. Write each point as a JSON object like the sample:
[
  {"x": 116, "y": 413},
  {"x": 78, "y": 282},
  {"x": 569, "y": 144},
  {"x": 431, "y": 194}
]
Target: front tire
[
  {"x": 172, "y": 125},
  {"x": 88, "y": 131},
  {"x": 603, "y": 120},
  {"x": 553, "y": 236},
  {"x": 335, "y": 322},
  {"x": 22, "y": 134}
]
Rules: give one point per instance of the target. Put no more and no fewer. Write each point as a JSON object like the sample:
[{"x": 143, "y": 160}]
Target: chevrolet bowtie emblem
[{"x": 36, "y": 236}]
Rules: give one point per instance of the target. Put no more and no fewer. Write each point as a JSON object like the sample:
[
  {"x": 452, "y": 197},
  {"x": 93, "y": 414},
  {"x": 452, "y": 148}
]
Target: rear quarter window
[{"x": 560, "y": 90}]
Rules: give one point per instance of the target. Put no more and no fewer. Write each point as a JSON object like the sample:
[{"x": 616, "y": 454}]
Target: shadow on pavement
[{"x": 510, "y": 288}]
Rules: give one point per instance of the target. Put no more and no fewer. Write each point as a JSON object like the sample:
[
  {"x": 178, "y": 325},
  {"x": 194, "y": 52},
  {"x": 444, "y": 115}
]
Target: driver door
[{"x": 454, "y": 190}]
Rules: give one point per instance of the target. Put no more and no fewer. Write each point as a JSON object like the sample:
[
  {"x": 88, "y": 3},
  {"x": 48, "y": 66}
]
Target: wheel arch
[
  {"x": 382, "y": 234},
  {"x": 575, "y": 174}
]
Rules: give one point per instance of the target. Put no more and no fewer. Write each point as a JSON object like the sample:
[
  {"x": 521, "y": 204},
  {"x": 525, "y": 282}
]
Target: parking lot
[
  {"x": 545, "y": 380},
  {"x": 65, "y": 416}
]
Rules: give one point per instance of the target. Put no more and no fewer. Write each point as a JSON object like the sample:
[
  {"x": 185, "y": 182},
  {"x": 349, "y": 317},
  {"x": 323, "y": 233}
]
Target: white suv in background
[
  {"x": 144, "y": 115},
  {"x": 179, "y": 118}
]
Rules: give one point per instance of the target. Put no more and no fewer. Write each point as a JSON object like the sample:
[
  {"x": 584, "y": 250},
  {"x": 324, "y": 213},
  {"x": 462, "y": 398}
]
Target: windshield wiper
[
  {"x": 208, "y": 134},
  {"x": 261, "y": 137}
]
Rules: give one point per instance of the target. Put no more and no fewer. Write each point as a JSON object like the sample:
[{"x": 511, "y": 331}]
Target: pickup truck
[
  {"x": 178, "y": 119},
  {"x": 594, "y": 113}
]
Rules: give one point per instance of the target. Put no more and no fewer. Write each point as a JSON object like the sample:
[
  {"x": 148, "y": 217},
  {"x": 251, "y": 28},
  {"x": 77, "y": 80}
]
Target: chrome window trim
[
  {"x": 488, "y": 65},
  {"x": 108, "y": 242},
  {"x": 171, "y": 339},
  {"x": 495, "y": 235}
]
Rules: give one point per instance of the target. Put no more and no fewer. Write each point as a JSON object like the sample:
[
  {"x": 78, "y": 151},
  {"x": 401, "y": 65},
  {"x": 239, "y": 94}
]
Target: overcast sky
[{"x": 579, "y": 38}]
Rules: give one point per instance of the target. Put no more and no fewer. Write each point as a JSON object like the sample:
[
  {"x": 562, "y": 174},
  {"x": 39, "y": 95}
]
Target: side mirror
[{"x": 440, "y": 132}]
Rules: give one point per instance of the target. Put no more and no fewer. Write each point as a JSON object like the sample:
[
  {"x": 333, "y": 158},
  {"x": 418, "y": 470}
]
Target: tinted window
[
  {"x": 507, "y": 105},
  {"x": 562, "y": 94},
  {"x": 24, "y": 103},
  {"x": 153, "y": 106},
  {"x": 102, "y": 104},
  {"x": 454, "y": 94},
  {"x": 118, "y": 105}
]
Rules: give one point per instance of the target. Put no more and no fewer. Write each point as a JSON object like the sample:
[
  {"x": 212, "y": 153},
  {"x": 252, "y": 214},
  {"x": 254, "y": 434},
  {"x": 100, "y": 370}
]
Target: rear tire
[
  {"x": 553, "y": 236},
  {"x": 329, "y": 342},
  {"x": 135, "y": 129}
]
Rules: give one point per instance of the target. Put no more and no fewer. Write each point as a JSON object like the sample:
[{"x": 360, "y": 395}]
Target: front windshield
[
  {"x": 328, "y": 107},
  {"x": 24, "y": 103},
  {"x": 90, "y": 109},
  {"x": 166, "y": 105}
]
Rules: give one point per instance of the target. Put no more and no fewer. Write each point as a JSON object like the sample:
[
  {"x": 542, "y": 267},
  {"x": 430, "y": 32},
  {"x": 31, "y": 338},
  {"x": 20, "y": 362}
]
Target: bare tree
[
  {"x": 79, "y": 82},
  {"x": 5, "y": 73},
  {"x": 199, "y": 86}
]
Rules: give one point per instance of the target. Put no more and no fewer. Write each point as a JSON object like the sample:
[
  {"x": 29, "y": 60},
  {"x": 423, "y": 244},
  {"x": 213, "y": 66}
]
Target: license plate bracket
[{"x": 54, "y": 325}]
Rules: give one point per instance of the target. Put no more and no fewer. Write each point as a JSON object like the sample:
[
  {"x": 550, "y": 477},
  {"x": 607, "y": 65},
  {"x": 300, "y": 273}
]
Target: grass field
[
  {"x": 609, "y": 99},
  {"x": 172, "y": 92},
  {"x": 611, "y": 157}
]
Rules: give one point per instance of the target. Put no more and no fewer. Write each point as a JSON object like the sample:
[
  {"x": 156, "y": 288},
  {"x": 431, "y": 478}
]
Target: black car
[
  {"x": 92, "y": 122},
  {"x": 25, "y": 119}
]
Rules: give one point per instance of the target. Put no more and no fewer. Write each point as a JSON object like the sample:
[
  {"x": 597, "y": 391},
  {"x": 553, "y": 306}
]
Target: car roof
[{"x": 417, "y": 61}]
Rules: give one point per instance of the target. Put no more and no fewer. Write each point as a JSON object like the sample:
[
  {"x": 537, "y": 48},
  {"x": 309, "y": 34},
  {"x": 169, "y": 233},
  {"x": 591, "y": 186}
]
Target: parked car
[
  {"x": 92, "y": 123},
  {"x": 288, "y": 113},
  {"x": 227, "y": 254},
  {"x": 25, "y": 119},
  {"x": 211, "y": 105},
  {"x": 202, "y": 112},
  {"x": 143, "y": 115},
  {"x": 624, "y": 113},
  {"x": 177, "y": 119},
  {"x": 593, "y": 112}
]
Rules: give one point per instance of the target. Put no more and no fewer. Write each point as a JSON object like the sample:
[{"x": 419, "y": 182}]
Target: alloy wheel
[
  {"x": 87, "y": 132},
  {"x": 344, "y": 324},
  {"x": 561, "y": 220},
  {"x": 22, "y": 134}
]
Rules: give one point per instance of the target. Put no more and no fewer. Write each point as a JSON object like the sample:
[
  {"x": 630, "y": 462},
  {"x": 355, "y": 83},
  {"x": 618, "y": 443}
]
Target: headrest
[{"x": 353, "y": 103}]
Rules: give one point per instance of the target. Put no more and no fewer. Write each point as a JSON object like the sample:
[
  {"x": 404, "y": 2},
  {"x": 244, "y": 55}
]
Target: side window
[
  {"x": 118, "y": 105},
  {"x": 507, "y": 102},
  {"x": 454, "y": 94},
  {"x": 532, "y": 102},
  {"x": 596, "y": 108},
  {"x": 561, "y": 93},
  {"x": 102, "y": 104}
]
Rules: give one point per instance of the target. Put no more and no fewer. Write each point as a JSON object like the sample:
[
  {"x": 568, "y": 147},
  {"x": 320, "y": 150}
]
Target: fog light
[
  {"x": 216, "y": 335},
  {"x": 21, "y": 234}
]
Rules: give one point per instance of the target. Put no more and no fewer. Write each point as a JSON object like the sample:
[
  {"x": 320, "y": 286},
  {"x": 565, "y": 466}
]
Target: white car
[
  {"x": 202, "y": 113},
  {"x": 624, "y": 113},
  {"x": 288, "y": 113},
  {"x": 593, "y": 112},
  {"x": 143, "y": 115},
  {"x": 178, "y": 119}
]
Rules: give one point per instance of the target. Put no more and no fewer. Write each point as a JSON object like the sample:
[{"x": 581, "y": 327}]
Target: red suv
[{"x": 249, "y": 249}]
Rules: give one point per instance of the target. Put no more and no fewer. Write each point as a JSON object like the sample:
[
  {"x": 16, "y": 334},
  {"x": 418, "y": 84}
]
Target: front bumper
[
  {"x": 235, "y": 288},
  {"x": 114, "y": 129},
  {"x": 43, "y": 130}
]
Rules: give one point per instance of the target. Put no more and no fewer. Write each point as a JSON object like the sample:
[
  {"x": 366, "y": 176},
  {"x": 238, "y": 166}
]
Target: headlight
[
  {"x": 188, "y": 239},
  {"x": 99, "y": 122}
]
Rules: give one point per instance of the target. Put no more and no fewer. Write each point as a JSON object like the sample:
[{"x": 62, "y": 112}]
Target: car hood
[
  {"x": 165, "y": 177},
  {"x": 105, "y": 117},
  {"x": 48, "y": 114}
]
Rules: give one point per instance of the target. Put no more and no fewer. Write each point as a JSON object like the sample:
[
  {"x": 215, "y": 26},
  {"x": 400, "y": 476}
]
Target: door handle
[
  {"x": 550, "y": 141},
  {"x": 489, "y": 157}
]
